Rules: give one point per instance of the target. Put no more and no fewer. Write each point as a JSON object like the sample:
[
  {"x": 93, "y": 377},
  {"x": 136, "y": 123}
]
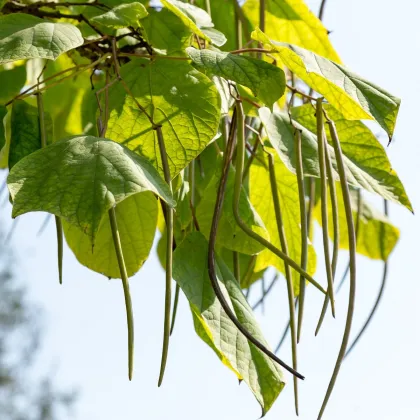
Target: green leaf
[
  {"x": 127, "y": 14},
  {"x": 12, "y": 81},
  {"x": 292, "y": 21},
  {"x": 354, "y": 97},
  {"x": 24, "y": 36},
  {"x": 137, "y": 218},
  {"x": 262, "y": 199},
  {"x": 168, "y": 91},
  {"x": 25, "y": 133},
  {"x": 191, "y": 16},
  {"x": 165, "y": 31},
  {"x": 229, "y": 234},
  {"x": 266, "y": 81},
  {"x": 261, "y": 374},
  {"x": 280, "y": 134},
  {"x": 217, "y": 38},
  {"x": 80, "y": 179},
  {"x": 376, "y": 237},
  {"x": 3, "y": 113},
  {"x": 360, "y": 146}
]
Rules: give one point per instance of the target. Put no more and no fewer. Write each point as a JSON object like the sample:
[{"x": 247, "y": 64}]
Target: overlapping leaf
[
  {"x": 280, "y": 132},
  {"x": 12, "y": 81},
  {"x": 376, "y": 237},
  {"x": 25, "y": 36},
  {"x": 353, "y": 96},
  {"x": 126, "y": 14},
  {"x": 261, "y": 374},
  {"x": 168, "y": 91},
  {"x": 262, "y": 199},
  {"x": 137, "y": 217},
  {"x": 265, "y": 80},
  {"x": 80, "y": 179},
  {"x": 360, "y": 146},
  {"x": 25, "y": 133},
  {"x": 292, "y": 21},
  {"x": 230, "y": 235}
]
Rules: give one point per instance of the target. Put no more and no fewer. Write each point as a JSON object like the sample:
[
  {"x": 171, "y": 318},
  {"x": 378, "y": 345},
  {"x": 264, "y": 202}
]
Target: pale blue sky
[{"x": 86, "y": 336}]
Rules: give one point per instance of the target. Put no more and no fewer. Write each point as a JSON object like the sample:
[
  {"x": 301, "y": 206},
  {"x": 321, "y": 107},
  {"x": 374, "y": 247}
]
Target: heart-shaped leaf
[
  {"x": 80, "y": 179},
  {"x": 24, "y": 36},
  {"x": 128, "y": 14}
]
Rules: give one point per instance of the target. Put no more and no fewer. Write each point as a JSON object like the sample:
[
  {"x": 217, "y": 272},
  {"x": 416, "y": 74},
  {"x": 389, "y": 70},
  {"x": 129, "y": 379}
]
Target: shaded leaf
[
  {"x": 280, "y": 133},
  {"x": 266, "y": 81},
  {"x": 127, "y": 14},
  {"x": 3, "y": 112},
  {"x": 12, "y": 81},
  {"x": 354, "y": 97},
  {"x": 137, "y": 218},
  {"x": 168, "y": 90},
  {"x": 292, "y": 21},
  {"x": 24, "y": 36},
  {"x": 80, "y": 179},
  {"x": 262, "y": 199},
  {"x": 25, "y": 132},
  {"x": 261, "y": 374}
]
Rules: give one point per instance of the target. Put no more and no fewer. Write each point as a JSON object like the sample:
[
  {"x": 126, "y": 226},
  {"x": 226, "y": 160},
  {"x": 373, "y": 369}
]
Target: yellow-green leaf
[
  {"x": 292, "y": 21},
  {"x": 136, "y": 218},
  {"x": 354, "y": 97},
  {"x": 262, "y": 199},
  {"x": 376, "y": 237},
  {"x": 261, "y": 374},
  {"x": 361, "y": 147}
]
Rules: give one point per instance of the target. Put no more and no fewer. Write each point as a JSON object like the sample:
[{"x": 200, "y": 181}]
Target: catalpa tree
[{"x": 228, "y": 127}]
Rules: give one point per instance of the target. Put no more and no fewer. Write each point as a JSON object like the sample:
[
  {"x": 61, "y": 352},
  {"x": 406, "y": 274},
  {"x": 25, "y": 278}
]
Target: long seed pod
[
  {"x": 303, "y": 227},
  {"x": 174, "y": 309},
  {"x": 126, "y": 287},
  {"x": 336, "y": 239},
  {"x": 58, "y": 224},
  {"x": 169, "y": 255},
  {"x": 359, "y": 209},
  {"x": 213, "y": 234},
  {"x": 352, "y": 253},
  {"x": 261, "y": 240},
  {"x": 311, "y": 205},
  {"x": 378, "y": 298},
  {"x": 288, "y": 273},
  {"x": 285, "y": 331},
  {"x": 324, "y": 200}
]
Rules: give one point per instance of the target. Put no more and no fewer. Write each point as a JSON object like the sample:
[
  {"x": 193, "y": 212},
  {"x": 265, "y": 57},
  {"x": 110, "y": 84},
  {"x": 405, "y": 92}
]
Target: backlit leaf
[
  {"x": 292, "y": 21},
  {"x": 261, "y": 374},
  {"x": 262, "y": 199},
  {"x": 354, "y": 97},
  {"x": 168, "y": 90},
  {"x": 280, "y": 134},
  {"x": 360, "y": 146},
  {"x": 136, "y": 218}
]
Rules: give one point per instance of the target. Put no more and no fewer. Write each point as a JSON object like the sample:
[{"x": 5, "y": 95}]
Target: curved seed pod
[
  {"x": 289, "y": 281},
  {"x": 377, "y": 301},
  {"x": 336, "y": 240},
  {"x": 126, "y": 286},
  {"x": 169, "y": 255},
  {"x": 324, "y": 199},
  {"x": 352, "y": 253},
  {"x": 303, "y": 227},
  {"x": 213, "y": 233},
  {"x": 246, "y": 229},
  {"x": 359, "y": 208},
  {"x": 58, "y": 224}
]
